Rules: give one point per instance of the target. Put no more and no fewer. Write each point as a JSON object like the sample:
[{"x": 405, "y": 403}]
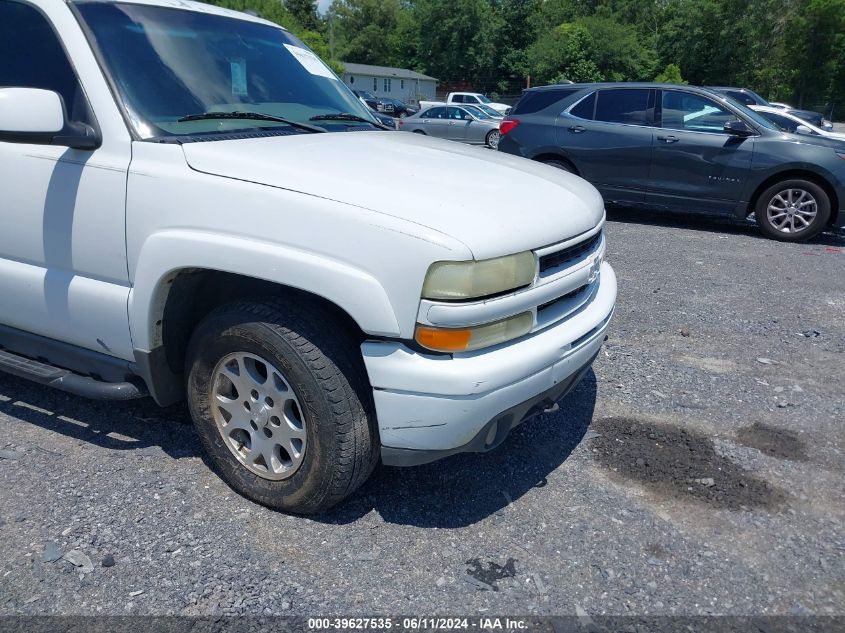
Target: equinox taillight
[{"x": 507, "y": 125}]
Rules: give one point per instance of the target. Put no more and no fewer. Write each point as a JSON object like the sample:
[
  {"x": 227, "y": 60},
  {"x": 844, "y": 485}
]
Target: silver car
[{"x": 456, "y": 123}]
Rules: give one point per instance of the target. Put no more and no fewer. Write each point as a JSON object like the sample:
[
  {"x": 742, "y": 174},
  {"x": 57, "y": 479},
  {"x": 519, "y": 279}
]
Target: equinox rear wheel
[{"x": 792, "y": 210}]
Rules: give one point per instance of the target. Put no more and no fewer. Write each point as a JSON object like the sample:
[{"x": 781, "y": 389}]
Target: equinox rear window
[
  {"x": 624, "y": 105},
  {"x": 534, "y": 101}
]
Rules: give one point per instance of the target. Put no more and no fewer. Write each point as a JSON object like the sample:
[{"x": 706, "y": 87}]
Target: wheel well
[
  {"x": 797, "y": 173},
  {"x": 189, "y": 295},
  {"x": 542, "y": 158}
]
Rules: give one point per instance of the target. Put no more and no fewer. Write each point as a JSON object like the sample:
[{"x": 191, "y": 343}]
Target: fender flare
[{"x": 164, "y": 254}]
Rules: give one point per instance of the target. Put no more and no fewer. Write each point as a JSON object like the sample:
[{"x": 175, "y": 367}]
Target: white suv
[{"x": 187, "y": 213}]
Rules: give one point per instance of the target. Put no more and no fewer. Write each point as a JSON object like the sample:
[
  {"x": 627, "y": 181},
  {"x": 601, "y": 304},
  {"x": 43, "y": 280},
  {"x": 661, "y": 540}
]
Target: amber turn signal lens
[{"x": 443, "y": 340}]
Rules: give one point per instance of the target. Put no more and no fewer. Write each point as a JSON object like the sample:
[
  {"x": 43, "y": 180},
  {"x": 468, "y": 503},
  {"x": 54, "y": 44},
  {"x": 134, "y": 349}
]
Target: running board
[{"x": 66, "y": 380}]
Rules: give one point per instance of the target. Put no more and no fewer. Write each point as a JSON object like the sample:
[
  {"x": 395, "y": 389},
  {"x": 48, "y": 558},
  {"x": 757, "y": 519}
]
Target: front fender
[{"x": 166, "y": 252}]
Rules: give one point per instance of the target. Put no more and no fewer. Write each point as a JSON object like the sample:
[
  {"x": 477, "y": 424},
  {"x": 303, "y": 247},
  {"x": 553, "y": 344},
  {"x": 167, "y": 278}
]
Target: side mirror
[
  {"x": 738, "y": 128},
  {"x": 803, "y": 129},
  {"x": 32, "y": 115}
]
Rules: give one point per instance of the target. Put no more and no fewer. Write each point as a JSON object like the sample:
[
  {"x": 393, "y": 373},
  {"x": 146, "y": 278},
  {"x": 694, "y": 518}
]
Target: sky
[{"x": 322, "y": 5}]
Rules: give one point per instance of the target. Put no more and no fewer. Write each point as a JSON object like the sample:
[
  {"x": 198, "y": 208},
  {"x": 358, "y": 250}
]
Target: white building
[{"x": 383, "y": 81}]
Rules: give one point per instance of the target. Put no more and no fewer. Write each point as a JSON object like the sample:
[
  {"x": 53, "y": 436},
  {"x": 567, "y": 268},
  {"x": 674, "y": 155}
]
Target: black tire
[
  {"x": 559, "y": 164},
  {"x": 767, "y": 197},
  {"x": 419, "y": 132},
  {"x": 321, "y": 362}
]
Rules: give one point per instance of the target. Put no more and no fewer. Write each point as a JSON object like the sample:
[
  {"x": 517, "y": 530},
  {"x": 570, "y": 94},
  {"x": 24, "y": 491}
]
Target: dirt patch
[
  {"x": 678, "y": 463},
  {"x": 772, "y": 441}
]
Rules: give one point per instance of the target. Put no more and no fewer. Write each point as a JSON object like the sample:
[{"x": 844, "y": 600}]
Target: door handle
[
  {"x": 577, "y": 129},
  {"x": 668, "y": 139}
]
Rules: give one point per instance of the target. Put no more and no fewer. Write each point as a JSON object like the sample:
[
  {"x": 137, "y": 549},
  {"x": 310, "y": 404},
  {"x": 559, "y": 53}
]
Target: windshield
[
  {"x": 477, "y": 112},
  {"x": 758, "y": 118},
  {"x": 493, "y": 113},
  {"x": 168, "y": 63}
]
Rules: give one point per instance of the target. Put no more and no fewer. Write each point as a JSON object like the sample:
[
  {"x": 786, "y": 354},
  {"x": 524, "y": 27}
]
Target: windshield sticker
[
  {"x": 238, "y": 71},
  {"x": 310, "y": 62}
]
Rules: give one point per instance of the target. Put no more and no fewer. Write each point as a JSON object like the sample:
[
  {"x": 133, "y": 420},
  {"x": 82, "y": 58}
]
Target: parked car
[
  {"x": 749, "y": 97},
  {"x": 455, "y": 123},
  {"x": 475, "y": 98},
  {"x": 685, "y": 149},
  {"x": 398, "y": 107},
  {"x": 788, "y": 122},
  {"x": 230, "y": 238},
  {"x": 374, "y": 103},
  {"x": 485, "y": 109}
]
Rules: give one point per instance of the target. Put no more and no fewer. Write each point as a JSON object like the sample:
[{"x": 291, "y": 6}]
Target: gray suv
[{"x": 681, "y": 148}]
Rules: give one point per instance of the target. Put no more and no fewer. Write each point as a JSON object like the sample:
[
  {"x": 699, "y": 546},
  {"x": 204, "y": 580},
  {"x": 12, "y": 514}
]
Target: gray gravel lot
[{"x": 698, "y": 469}]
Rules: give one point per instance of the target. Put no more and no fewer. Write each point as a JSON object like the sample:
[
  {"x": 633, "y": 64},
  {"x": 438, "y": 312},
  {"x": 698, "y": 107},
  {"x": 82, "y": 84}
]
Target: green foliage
[
  {"x": 563, "y": 53},
  {"x": 305, "y": 13},
  {"x": 457, "y": 39},
  {"x": 788, "y": 50},
  {"x": 362, "y": 29},
  {"x": 670, "y": 75}
]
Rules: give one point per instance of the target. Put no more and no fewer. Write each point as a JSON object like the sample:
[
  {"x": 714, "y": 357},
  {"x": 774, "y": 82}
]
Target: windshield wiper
[
  {"x": 255, "y": 116},
  {"x": 346, "y": 116}
]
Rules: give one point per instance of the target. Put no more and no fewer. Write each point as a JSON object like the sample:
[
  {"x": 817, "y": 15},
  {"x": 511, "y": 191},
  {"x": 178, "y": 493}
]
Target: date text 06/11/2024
[{"x": 418, "y": 623}]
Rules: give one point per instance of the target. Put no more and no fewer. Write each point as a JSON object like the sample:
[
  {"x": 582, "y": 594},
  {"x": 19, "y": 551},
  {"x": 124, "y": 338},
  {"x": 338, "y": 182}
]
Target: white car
[
  {"x": 475, "y": 98},
  {"x": 791, "y": 123},
  {"x": 194, "y": 207}
]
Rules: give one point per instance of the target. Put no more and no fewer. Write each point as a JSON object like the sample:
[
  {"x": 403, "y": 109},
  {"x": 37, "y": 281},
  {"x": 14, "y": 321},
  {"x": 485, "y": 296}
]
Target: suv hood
[{"x": 494, "y": 203}]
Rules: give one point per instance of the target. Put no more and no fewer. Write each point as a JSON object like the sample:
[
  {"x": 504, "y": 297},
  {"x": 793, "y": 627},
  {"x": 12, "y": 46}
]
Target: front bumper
[{"x": 432, "y": 406}]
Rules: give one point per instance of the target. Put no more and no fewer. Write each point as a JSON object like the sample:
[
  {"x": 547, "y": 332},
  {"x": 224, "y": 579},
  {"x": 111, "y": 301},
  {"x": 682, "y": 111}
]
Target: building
[{"x": 383, "y": 81}]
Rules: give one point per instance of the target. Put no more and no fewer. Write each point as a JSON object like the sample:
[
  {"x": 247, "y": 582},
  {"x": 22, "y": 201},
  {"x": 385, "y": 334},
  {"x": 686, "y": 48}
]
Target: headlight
[
  {"x": 468, "y": 339},
  {"x": 452, "y": 281}
]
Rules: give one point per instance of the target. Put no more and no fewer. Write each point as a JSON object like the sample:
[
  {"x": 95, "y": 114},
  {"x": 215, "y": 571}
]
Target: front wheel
[
  {"x": 280, "y": 400},
  {"x": 492, "y": 140},
  {"x": 792, "y": 210}
]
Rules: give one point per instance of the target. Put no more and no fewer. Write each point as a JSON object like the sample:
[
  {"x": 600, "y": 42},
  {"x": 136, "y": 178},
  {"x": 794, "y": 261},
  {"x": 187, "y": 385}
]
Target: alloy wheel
[
  {"x": 792, "y": 210},
  {"x": 258, "y": 415}
]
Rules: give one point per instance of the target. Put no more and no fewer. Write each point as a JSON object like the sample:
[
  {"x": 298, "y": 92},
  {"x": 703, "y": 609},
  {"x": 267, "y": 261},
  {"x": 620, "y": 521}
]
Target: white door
[{"x": 63, "y": 272}]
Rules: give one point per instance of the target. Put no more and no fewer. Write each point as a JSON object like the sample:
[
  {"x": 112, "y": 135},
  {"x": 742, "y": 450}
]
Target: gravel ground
[{"x": 697, "y": 470}]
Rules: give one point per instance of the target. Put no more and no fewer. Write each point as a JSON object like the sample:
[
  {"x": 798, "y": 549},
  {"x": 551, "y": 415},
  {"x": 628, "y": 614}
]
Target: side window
[
  {"x": 623, "y": 105},
  {"x": 455, "y": 113},
  {"x": 458, "y": 99},
  {"x": 687, "y": 111},
  {"x": 437, "y": 113},
  {"x": 584, "y": 108},
  {"x": 471, "y": 99},
  {"x": 534, "y": 101},
  {"x": 33, "y": 57}
]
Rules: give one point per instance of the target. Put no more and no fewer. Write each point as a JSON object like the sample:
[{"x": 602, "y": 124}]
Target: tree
[
  {"x": 563, "y": 53},
  {"x": 363, "y": 28},
  {"x": 618, "y": 50},
  {"x": 458, "y": 39},
  {"x": 305, "y": 14},
  {"x": 670, "y": 75}
]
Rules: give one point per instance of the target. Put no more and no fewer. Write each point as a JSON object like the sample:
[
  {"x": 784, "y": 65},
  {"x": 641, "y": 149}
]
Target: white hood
[{"x": 494, "y": 203}]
